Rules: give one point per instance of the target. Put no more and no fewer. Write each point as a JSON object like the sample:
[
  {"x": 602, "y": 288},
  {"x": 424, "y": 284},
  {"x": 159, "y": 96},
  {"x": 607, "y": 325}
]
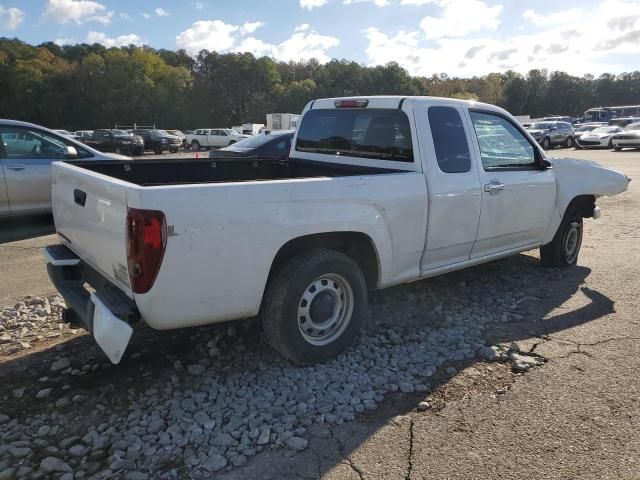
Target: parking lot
[{"x": 421, "y": 395}]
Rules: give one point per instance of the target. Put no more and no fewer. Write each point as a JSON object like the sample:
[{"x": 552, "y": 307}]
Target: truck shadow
[
  {"x": 23, "y": 227},
  {"x": 156, "y": 360}
]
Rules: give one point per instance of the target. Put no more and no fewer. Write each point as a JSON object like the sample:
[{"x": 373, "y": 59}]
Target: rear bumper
[{"x": 106, "y": 313}]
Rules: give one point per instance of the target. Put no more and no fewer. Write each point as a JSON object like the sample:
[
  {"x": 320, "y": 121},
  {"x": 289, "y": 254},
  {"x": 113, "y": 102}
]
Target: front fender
[{"x": 582, "y": 177}]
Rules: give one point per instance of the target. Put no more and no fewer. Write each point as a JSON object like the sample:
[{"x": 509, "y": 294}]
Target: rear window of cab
[{"x": 380, "y": 134}]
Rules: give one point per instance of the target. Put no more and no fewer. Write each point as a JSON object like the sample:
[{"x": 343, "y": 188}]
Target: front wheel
[
  {"x": 568, "y": 142},
  {"x": 564, "y": 248},
  {"x": 610, "y": 146},
  {"x": 157, "y": 151},
  {"x": 195, "y": 145},
  {"x": 314, "y": 306}
]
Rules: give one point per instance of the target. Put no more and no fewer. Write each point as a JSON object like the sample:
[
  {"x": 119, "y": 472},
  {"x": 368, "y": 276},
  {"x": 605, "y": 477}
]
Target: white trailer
[
  {"x": 282, "y": 121},
  {"x": 252, "y": 128}
]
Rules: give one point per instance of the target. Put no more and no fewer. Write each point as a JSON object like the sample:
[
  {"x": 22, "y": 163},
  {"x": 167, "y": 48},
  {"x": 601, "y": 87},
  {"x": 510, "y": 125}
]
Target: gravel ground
[{"x": 199, "y": 402}]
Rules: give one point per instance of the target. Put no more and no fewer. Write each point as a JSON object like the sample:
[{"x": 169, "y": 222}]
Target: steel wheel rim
[
  {"x": 572, "y": 242},
  {"x": 334, "y": 293}
]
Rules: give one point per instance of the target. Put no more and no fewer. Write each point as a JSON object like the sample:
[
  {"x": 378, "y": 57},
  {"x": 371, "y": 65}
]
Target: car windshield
[
  {"x": 120, "y": 133},
  {"x": 606, "y": 129},
  {"x": 257, "y": 140},
  {"x": 633, "y": 126},
  {"x": 541, "y": 125},
  {"x": 586, "y": 128},
  {"x": 160, "y": 132},
  {"x": 230, "y": 131}
]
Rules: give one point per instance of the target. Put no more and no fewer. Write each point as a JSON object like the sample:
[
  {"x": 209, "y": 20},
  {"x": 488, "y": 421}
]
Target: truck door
[
  {"x": 27, "y": 167},
  {"x": 453, "y": 186},
  {"x": 518, "y": 195}
]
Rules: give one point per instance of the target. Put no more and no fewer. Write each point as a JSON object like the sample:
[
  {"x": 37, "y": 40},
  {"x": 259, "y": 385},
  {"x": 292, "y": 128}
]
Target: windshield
[
  {"x": 606, "y": 129},
  {"x": 230, "y": 131},
  {"x": 633, "y": 126},
  {"x": 257, "y": 140},
  {"x": 586, "y": 128},
  {"x": 160, "y": 132},
  {"x": 541, "y": 125},
  {"x": 120, "y": 133}
]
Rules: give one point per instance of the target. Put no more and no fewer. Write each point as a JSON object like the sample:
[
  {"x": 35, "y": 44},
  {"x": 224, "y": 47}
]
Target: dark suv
[
  {"x": 116, "y": 141},
  {"x": 549, "y": 134},
  {"x": 159, "y": 140}
]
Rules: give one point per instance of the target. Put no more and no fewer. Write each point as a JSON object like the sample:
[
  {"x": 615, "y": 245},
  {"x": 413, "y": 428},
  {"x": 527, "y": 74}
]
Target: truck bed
[{"x": 174, "y": 171}]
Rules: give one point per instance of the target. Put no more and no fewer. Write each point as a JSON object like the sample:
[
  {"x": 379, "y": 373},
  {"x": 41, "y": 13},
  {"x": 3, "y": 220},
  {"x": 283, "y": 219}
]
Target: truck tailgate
[{"x": 90, "y": 214}]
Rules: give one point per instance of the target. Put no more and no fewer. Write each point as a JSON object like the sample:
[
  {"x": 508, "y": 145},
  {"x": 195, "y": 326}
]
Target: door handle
[
  {"x": 494, "y": 187},
  {"x": 16, "y": 167}
]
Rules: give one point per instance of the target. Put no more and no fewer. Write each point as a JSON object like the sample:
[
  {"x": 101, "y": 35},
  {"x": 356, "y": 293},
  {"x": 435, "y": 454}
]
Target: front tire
[
  {"x": 195, "y": 145},
  {"x": 610, "y": 146},
  {"x": 568, "y": 142},
  {"x": 314, "y": 306},
  {"x": 564, "y": 248}
]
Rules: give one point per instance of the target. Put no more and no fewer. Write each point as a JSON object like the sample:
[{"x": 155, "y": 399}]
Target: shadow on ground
[{"x": 17, "y": 228}]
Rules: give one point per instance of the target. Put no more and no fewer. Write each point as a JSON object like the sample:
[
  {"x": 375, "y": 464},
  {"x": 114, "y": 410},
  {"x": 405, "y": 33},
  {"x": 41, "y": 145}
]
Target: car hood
[
  {"x": 536, "y": 131},
  {"x": 596, "y": 136},
  {"x": 590, "y": 176}
]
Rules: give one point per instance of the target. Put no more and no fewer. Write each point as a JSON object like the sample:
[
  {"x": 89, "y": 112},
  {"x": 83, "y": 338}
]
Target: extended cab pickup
[{"x": 377, "y": 191}]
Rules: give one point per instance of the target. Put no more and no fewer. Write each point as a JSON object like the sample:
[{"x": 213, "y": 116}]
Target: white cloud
[
  {"x": 10, "y": 18},
  {"x": 146, "y": 16},
  {"x": 250, "y": 27},
  {"x": 582, "y": 45},
  {"x": 377, "y": 3},
  {"x": 199, "y": 5},
  {"x": 310, "y": 4},
  {"x": 215, "y": 35},
  {"x": 161, "y": 12},
  {"x": 207, "y": 34},
  {"x": 125, "y": 16},
  {"x": 552, "y": 19},
  {"x": 119, "y": 41},
  {"x": 77, "y": 11},
  {"x": 416, "y": 2},
  {"x": 64, "y": 41},
  {"x": 461, "y": 17}
]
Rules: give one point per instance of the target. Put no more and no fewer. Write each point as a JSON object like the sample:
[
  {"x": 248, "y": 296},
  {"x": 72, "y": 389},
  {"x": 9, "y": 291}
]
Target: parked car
[
  {"x": 583, "y": 129},
  {"x": 214, "y": 137},
  {"x": 549, "y": 134},
  {"x": 557, "y": 118},
  {"x": 180, "y": 243},
  {"x": 159, "y": 140},
  {"x": 272, "y": 145},
  {"x": 629, "y": 138},
  {"x": 26, "y": 154},
  {"x": 179, "y": 134},
  {"x": 601, "y": 137},
  {"x": 116, "y": 141},
  {"x": 81, "y": 134},
  {"x": 66, "y": 133},
  {"x": 623, "y": 122}
]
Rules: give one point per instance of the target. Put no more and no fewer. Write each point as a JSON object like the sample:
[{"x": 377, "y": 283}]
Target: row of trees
[{"x": 90, "y": 86}]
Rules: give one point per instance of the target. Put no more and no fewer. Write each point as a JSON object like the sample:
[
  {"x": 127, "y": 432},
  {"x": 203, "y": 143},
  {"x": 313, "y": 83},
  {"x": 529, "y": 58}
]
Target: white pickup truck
[
  {"x": 213, "y": 137},
  {"x": 377, "y": 191}
]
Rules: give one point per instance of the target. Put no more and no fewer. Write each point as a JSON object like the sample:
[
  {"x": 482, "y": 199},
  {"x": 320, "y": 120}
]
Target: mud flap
[{"x": 110, "y": 333}]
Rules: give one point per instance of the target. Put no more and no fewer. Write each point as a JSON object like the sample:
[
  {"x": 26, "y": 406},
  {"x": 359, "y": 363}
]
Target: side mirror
[
  {"x": 544, "y": 163},
  {"x": 70, "y": 152}
]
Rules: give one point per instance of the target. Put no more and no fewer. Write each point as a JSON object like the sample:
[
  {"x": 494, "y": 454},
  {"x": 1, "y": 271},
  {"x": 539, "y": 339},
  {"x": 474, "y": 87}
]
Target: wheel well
[
  {"x": 585, "y": 203},
  {"x": 356, "y": 245}
]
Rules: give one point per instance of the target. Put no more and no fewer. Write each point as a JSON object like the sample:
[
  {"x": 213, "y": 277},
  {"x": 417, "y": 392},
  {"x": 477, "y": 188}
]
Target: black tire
[
  {"x": 610, "y": 146},
  {"x": 174, "y": 150},
  {"x": 157, "y": 151},
  {"x": 195, "y": 145},
  {"x": 284, "y": 300},
  {"x": 568, "y": 142},
  {"x": 558, "y": 253},
  {"x": 546, "y": 143},
  {"x": 617, "y": 149}
]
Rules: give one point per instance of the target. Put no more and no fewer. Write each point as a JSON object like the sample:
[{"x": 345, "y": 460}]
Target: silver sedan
[
  {"x": 26, "y": 154},
  {"x": 629, "y": 138}
]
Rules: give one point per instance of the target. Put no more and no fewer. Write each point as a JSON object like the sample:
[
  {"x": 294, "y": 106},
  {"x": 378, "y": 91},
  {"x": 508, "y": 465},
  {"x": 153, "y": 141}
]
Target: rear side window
[
  {"x": 380, "y": 134},
  {"x": 449, "y": 140}
]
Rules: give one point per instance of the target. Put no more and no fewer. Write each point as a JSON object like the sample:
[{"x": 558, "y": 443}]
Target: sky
[{"x": 457, "y": 37}]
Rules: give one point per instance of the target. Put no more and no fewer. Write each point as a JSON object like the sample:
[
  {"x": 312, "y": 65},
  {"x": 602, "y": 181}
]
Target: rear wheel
[
  {"x": 610, "y": 146},
  {"x": 617, "y": 149},
  {"x": 546, "y": 143},
  {"x": 174, "y": 150},
  {"x": 568, "y": 142},
  {"x": 314, "y": 306},
  {"x": 564, "y": 248},
  {"x": 195, "y": 145}
]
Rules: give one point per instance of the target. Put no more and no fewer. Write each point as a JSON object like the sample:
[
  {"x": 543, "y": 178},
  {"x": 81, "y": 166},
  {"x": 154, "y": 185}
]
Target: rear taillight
[
  {"x": 355, "y": 103},
  {"x": 146, "y": 242}
]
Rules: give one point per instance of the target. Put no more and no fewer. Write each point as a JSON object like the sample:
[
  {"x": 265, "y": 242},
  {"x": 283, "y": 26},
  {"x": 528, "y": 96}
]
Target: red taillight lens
[
  {"x": 356, "y": 103},
  {"x": 146, "y": 242}
]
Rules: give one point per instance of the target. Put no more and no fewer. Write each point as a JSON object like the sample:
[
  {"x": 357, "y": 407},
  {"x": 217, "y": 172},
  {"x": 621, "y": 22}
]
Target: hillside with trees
[{"x": 90, "y": 86}]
